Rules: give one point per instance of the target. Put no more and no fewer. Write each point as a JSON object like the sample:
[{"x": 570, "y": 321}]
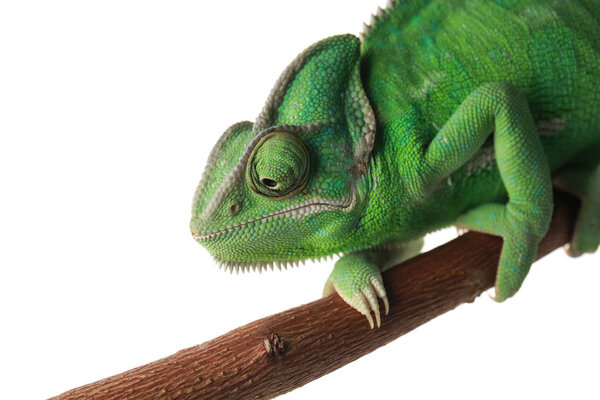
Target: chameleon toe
[
  {"x": 372, "y": 300},
  {"x": 377, "y": 284},
  {"x": 360, "y": 303}
]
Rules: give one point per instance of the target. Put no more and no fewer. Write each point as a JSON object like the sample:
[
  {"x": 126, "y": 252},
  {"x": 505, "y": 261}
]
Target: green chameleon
[{"x": 447, "y": 112}]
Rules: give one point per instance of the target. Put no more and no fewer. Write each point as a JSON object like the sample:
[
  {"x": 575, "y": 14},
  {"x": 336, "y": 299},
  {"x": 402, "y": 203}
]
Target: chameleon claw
[
  {"x": 493, "y": 294},
  {"x": 372, "y": 300},
  {"x": 386, "y": 304},
  {"x": 359, "y": 302},
  {"x": 377, "y": 284},
  {"x": 461, "y": 230},
  {"x": 571, "y": 250},
  {"x": 370, "y": 319}
]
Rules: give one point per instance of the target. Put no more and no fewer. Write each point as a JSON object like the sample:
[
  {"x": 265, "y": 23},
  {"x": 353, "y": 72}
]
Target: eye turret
[{"x": 278, "y": 165}]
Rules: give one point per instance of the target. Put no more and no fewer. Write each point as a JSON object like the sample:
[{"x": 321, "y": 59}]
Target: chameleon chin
[{"x": 432, "y": 119}]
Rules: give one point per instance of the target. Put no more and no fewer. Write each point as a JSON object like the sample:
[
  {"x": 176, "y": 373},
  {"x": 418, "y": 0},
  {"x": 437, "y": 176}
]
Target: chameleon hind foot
[
  {"x": 358, "y": 281},
  {"x": 585, "y": 184}
]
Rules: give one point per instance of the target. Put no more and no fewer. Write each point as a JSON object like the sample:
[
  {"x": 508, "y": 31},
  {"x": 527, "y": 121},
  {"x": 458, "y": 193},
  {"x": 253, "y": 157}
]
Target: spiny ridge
[
  {"x": 245, "y": 266},
  {"x": 380, "y": 13}
]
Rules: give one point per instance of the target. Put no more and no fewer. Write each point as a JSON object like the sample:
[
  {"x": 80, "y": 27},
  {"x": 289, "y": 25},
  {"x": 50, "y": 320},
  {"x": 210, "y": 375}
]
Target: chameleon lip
[{"x": 313, "y": 206}]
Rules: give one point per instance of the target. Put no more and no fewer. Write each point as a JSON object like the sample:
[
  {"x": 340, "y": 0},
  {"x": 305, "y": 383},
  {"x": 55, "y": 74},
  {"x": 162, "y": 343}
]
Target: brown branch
[{"x": 284, "y": 351}]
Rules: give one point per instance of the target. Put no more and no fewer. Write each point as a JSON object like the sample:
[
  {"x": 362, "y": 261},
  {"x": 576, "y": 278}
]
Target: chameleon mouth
[{"x": 311, "y": 206}]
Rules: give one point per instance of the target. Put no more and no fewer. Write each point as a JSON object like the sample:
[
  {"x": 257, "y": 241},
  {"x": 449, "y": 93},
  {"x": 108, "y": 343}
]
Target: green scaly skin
[{"x": 448, "y": 112}]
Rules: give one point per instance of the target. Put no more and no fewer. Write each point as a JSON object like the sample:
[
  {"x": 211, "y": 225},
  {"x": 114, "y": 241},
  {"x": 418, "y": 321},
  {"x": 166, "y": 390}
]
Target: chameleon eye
[{"x": 278, "y": 165}]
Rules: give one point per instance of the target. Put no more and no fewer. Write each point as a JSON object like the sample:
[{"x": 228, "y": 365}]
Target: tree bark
[{"x": 279, "y": 353}]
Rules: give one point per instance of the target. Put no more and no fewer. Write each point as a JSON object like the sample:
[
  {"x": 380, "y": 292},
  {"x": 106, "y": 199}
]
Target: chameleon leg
[
  {"x": 356, "y": 277},
  {"x": 523, "y": 167},
  {"x": 583, "y": 182}
]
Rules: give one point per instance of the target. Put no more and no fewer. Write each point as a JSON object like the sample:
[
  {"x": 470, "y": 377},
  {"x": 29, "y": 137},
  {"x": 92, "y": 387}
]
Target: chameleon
[{"x": 443, "y": 112}]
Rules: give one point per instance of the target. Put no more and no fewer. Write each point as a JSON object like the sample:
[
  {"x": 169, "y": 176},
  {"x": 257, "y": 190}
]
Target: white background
[{"x": 107, "y": 113}]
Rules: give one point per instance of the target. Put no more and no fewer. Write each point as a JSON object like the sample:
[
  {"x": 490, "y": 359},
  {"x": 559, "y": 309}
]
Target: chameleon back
[{"x": 422, "y": 58}]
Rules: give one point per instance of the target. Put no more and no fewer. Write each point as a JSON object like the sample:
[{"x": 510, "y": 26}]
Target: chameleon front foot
[
  {"x": 358, "y": 281},
  {"x": 522, "y": 222}
]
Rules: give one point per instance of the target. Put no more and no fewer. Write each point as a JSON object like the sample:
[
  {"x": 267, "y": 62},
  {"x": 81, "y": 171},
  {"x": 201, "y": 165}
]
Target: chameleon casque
[{"x": 446, "y": 112}]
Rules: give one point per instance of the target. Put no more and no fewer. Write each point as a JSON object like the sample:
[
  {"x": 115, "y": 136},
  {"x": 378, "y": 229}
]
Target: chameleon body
[{"x": 447, "y": 112}]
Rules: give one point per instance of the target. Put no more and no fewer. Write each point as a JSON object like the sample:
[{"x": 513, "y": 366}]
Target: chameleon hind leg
[
  {"x": 356, "y": 276},
  {"x": 524, "y": 170},
  {"x": 583, "y": 182}
]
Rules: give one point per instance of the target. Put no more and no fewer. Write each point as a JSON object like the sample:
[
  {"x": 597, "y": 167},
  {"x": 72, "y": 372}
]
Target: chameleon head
[{"x": 290, "y": 185}]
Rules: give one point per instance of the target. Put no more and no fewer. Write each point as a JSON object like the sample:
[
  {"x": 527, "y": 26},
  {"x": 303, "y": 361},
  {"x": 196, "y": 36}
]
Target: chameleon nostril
[{"x": 234, "y": 208}]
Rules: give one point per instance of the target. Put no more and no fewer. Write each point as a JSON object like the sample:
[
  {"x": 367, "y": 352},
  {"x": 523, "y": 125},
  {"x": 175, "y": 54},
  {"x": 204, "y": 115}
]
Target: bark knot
[{"x": 274, "y": 344}]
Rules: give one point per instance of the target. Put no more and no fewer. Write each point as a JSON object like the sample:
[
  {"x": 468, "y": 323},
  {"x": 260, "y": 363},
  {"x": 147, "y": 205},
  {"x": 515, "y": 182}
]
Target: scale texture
[{"x": 446, "y": 112}]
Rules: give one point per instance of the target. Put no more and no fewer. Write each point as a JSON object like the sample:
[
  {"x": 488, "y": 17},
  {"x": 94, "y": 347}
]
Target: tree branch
[{"x": 279, "y": 353}]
